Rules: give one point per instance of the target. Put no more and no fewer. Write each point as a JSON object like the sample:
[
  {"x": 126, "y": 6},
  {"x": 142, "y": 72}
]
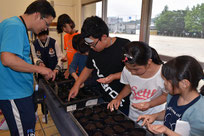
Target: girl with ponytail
[
  {"x": 184, "y": 102},
  {"x": 142, "y": 78}
]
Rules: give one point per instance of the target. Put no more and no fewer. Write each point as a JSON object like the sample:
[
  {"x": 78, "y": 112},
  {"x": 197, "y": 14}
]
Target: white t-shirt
[{"x": 143, "y": 90}]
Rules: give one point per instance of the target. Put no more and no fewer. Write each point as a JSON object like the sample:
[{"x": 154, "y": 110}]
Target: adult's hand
[{"x": 47, "y": 73}]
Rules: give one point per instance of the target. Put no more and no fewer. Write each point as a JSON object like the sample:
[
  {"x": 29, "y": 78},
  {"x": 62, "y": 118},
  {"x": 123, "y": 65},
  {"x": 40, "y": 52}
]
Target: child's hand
[
  {"x": 42, "y": 64},
  {"x": 64, "y": 59},
  {"x": 157, "y": 129},
  {"x": 56, "y": 71},
  {"x": 143, "y": 106},
  {"x": 73, "y": 92},
  {"x": 114, "y": 104},
  {"x": 82, "y": 85},
  {"x": 66, "y": 74},
  {"x": 147, "y": 119},
  {"x": 106, "y": 80}
]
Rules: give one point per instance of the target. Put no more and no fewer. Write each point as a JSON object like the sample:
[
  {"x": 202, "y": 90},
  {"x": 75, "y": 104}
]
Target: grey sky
[{"x": 133, "y": 7}]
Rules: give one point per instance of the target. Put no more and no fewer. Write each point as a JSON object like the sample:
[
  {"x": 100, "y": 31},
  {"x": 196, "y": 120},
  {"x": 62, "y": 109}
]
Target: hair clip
[{"x": 126, "y": 59}]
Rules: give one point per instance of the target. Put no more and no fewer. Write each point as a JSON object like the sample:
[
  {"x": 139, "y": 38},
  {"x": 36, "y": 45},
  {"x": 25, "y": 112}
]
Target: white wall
[
  {"x": 89, "y": 10},
  {"x": 9, "y": 8}
]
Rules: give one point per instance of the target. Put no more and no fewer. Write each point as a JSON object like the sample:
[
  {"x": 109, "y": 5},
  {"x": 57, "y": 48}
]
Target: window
[
  {"x": 124, "y": 22},
  {"x": 176, "y": 28}
]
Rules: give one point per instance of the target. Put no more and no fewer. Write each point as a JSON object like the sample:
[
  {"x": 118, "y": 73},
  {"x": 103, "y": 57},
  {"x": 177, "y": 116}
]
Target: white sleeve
[
  {"x": 59, "y": 54},
  {"x": 35, "y": 58},
  {"x": 124, "y": 78}
]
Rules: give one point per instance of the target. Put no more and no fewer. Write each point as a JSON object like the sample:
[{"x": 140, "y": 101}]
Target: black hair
[
  {"x": 41, "y": 6},
  {"x": 95, "y": 27},
  {"x": 45, "y": 32},
  {"x": 141, "y": 52},
  {"x": 183, "y": 67},
  {"x": 78, "y": 44},
  {"x": 62, "y": 21}
]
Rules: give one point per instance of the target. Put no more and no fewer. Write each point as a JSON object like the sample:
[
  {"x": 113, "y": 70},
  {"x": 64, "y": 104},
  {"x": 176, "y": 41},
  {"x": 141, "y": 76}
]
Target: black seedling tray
[
  {"x": 87, "y": 95},
  {"x": 98, "y": 120},
  {"x": 60, "y": 76}
]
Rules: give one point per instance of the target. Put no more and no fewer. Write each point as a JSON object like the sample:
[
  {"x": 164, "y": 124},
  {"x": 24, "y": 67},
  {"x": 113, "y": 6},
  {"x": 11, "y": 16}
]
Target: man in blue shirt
[{"x": 16, "y": 76}]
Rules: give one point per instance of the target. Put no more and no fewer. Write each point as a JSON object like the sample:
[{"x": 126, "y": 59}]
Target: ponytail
[
  {"x": 141, "y": 52},
  {"x": 202, "y": 88},
  {"x": 155, "y": 57}
]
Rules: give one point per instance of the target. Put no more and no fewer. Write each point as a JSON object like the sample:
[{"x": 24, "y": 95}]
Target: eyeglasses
[
  {"x": 90, "y": 42},
  {"x": 128, "y": 59},
  {"x": 45, "y": 21}
]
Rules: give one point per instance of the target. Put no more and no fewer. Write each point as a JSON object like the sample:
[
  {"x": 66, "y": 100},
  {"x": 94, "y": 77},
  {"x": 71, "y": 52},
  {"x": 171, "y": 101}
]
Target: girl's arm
[
  {"x": 161, "y": 129},
  {"x": 146, "y": 105},
  {"x": 114, "y": 104},
  {"x": 75, "y": 76},
  {"x": 125, "y": 92},
  {"x": 148, "y": 119},
  {"x": 159, "y": 100}
]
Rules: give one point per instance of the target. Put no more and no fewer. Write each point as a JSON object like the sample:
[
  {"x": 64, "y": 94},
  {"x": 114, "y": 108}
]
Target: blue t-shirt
[
  {"x": 14, "y": 39},
  {"x": 175, "y": 112}
]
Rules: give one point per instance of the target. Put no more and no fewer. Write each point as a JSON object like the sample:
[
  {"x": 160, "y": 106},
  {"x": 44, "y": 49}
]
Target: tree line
[{"x": 185, "y": 23}]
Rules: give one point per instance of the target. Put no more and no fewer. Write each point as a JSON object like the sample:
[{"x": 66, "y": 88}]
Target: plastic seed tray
[
  {"x": 99, "y": 121},
  {"x": 87, "y": 95}
]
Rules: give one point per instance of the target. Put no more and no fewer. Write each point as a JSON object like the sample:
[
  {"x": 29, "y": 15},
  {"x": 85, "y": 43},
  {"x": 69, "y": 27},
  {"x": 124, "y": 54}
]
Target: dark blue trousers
[{"x": 19, "y": 115}]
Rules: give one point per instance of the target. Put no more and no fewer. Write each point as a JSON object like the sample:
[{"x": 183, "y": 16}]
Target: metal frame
[{"x": 145, "y": 20}]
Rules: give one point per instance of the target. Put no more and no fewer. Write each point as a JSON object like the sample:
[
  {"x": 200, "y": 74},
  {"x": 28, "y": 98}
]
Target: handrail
[{"x": 167, "y": 58}]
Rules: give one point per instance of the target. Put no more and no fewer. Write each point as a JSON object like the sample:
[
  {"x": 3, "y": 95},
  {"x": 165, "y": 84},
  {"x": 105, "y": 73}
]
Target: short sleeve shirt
[
  {"x": 143, "y": 90},
  {"x": 14, "y": 39},
  {"x": 106, "y": 62}
]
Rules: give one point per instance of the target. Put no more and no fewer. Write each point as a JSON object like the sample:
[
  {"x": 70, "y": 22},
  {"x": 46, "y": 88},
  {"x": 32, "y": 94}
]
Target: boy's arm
[
  {"x": 36, "y": 60},
  {"x": 83, "y": 76},
  {"x": 59, "y": 56},
  {"x": 17, "y": 64}
]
